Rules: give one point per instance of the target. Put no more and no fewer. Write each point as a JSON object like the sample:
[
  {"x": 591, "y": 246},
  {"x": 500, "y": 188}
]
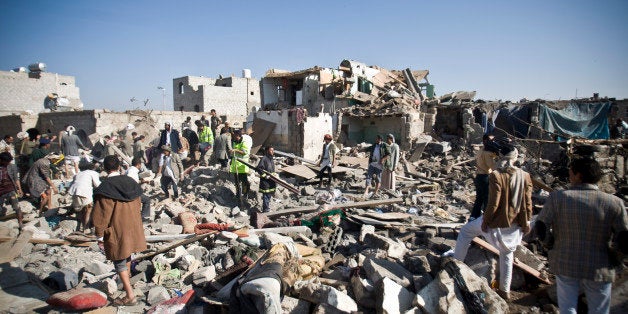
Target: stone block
[
  {"x": 393, "y": 248},
  {"x": 529, "y": 258},
  {"x": 308, "y": 190},
  {"x": 418, "y": 264},
  {"x": 323, "y": 294},
  {"x": 442, "y": 295},
  {"x": 203, "y": 275},
  {"x": 366, "y": 229},
  {"x": 363, "y": 291},
  {"x": 291, "y": 305},
  {"x": 98, "y": 268},
  {"x": 440, "y": 244},
  {"x": 482, "y": 262},
  {"x": 393, "y": 298},
  {"x": 378, "y": 269},
  {"x": 171, "y": 229},
  {"x": 421, "y": 281},
  {"x": 157, "y": 294},
  {"x": 68, "y": 224}
]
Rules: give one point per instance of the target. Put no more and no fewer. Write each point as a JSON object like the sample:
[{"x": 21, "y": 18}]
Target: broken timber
[
  {"x": 280, "y": 153},
  {"x": 336, "y": 206},
  {"x": 516, "y": 262},
  {"x": 170, "y": 247}
]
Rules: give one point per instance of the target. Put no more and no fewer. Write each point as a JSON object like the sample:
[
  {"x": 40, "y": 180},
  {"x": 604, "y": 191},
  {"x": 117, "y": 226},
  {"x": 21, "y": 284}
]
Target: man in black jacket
[
  {"x": 170, "y": 137},
  {"x": 379, "y": 153},
  {"x": 267, "y": 186}
]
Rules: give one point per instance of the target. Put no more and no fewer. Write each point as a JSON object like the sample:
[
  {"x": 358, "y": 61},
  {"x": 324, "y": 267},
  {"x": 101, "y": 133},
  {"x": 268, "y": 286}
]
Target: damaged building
[{"x": 320, "y": 249}]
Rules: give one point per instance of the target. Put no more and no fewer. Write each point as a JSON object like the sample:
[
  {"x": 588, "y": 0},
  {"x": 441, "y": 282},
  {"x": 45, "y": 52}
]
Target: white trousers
[{"x": 504, "y": 239}]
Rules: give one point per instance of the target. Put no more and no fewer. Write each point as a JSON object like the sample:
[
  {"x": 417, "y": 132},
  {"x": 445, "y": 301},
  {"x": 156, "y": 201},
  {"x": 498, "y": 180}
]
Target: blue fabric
[
  {"x": 587, "y": 120},
  {"x": 514, "y": 119}
]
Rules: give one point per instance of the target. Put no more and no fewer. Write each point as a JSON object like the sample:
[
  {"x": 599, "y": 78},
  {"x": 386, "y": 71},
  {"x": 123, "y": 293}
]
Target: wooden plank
[
  {"x": 361, "y": 162},
  {"x": 261, "y": 131},
  {"x": 388, "y": 216},
  {"x": 375, "y": 222},
  {"x": 16, "y": 247},
  {"x": 309, "y": 209},
  {"x": 516, "y": 262},
  {"x": 302, "y": 171}
]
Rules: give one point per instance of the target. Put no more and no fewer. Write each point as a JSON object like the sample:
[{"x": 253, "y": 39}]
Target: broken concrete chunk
[
  {"x": 366, "y": 229},
  {"x": 203, "y": 275},
  {"x": 171, "y": 229},
  {"x": 377, "y": 269},
  {"x": 157, "y": 294},
  {"x": 291, "y": 305},
  {"x": 393, "y": 248},
  {"x": 393, "y": 298},
  {"x": 98, "y": 268},
  {"x": 418, "y": 264},
  {"x": 442, "y": 295},
  {"x": 323, "y": 294},
  {"x": 363, "y": 291}
]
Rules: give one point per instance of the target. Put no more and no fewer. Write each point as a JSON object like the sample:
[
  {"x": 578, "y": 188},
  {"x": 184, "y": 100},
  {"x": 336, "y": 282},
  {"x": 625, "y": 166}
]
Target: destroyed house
[{"x": 364, "y": 100}]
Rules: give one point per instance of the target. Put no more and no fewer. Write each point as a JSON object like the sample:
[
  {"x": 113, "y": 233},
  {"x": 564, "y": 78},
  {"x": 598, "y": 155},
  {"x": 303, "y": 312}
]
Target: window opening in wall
[
  {"x": 252, "y": 93},
  {"x": 197, "y": 108},
  {"x": 181, "y": 108},
  {"x": 181, "y": 89}
]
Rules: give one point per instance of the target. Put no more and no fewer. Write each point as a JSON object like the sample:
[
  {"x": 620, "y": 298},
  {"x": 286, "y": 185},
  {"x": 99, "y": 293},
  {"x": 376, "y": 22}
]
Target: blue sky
[{"x": 501, "y": 49}]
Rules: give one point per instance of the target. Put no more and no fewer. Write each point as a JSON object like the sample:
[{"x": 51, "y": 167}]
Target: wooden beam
[
  {"x": 310, "y": 209},
  {"x": 516, "y": 262}
]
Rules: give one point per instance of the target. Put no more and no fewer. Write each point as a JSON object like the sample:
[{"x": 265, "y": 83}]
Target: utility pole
[{"x": 163, "y": 97}]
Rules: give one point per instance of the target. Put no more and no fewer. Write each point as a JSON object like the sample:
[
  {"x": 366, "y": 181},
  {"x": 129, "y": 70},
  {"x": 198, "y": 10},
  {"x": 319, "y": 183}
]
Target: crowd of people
[{"x": 112, "y": 207}]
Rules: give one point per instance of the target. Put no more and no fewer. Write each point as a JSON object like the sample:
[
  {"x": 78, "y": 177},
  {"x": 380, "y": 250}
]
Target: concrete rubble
[{"x": 384, "y": 255}]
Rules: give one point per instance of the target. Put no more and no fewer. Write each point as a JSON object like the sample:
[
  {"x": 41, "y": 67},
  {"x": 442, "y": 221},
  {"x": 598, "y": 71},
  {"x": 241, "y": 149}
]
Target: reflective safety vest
[{"x": 236, "y": 166}]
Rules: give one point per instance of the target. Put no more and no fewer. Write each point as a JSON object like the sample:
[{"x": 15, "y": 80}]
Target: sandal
[{"x": 125, "y": 301}]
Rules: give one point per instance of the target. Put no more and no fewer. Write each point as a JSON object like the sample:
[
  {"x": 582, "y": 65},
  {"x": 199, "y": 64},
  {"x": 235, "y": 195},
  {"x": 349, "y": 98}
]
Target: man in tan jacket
[
  {"x": 506, "y": 218},
  {"x": 118, "y": 223}
]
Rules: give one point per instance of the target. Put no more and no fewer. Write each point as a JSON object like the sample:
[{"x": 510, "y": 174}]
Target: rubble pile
[{"x": 327, "y": 250}]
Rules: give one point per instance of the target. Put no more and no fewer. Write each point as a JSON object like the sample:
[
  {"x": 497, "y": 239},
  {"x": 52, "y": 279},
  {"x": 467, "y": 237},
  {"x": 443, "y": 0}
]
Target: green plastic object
[{"x": 429, "y": 91}]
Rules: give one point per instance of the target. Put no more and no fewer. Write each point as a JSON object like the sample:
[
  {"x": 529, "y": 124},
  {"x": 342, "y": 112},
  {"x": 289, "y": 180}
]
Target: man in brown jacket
[
  {"x": 506, "y": 218},
  {"x": 118, "y": 222}
]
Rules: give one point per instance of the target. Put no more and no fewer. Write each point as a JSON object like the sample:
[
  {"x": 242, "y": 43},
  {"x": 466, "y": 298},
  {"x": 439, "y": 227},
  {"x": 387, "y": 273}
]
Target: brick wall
[{"x": 229, "y": 96}]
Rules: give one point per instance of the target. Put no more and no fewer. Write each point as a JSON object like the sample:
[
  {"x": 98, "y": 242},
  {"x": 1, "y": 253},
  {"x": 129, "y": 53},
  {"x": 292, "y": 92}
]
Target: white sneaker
[{"x": 448, "y": 253}]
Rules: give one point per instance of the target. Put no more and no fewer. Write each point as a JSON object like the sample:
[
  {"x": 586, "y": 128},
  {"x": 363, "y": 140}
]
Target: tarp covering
[{"x": 586, "y": 120}]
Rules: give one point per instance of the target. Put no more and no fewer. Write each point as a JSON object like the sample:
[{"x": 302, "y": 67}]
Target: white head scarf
[{"x": 507, "y": 164}]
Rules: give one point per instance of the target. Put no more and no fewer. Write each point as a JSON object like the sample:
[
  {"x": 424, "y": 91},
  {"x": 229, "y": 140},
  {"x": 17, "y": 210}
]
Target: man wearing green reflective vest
[
  {"x": 205, "y": 141},
  {"x": 240, "y": 150},
  {"x": 267, "y": 186}
]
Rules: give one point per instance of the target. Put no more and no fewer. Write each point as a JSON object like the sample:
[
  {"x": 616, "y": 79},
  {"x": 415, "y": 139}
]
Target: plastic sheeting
[{"x": 587, "y": 120}]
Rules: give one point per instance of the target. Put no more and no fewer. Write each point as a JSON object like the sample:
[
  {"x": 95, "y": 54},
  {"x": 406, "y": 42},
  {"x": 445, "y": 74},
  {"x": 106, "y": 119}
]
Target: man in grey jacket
[
  {"x": 171, "y": 170},
  {"x": 70, "y": 144},
  {"x": 222, "y": 146}
]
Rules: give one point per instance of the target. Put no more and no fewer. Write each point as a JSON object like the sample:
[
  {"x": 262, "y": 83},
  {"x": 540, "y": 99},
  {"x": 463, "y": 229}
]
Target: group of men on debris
[
  {"x": 578, "y": 223},
  {"x": 585, "y": 228}
]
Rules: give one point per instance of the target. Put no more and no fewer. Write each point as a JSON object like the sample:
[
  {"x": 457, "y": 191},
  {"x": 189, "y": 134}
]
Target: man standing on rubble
[
  {"x": 170, "y": 138},
  {"x": 390, "y": 164},
  {"x": 327, "y": 161},
  {"x": 485, "y": 164},
  {"x": 70, "y": 144},
  {"x": 506, "y": 219},
  {"x": 215, "y": 121},
  {"x": 118, "y": 224},
  {"x": 205, "y": 142},
  {"x": 240, "y": 170},
  {"x": 171, "y": 170},
  {"x": 584, "y": 220},
  {"x": 266, "y": 185},
  {"x": 10, "y": 188},
  {"x": 379, "y": 154},
  {"x": 222, "y": 147},
  {"x": 82, "y": 191}
]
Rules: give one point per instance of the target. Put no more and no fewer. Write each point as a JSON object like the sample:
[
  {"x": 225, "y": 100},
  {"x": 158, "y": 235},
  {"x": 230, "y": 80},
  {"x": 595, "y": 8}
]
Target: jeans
[
  {"x": 481, "y": 195},
  {"x": 322, "y": 172},
  {"x": 166, "y": 182},
  {"x": 506, "y": 257},
  {"x": 373, "y": 173},
  {"x": 266, "y": 197},
  {"x": 598, "y": 294}
]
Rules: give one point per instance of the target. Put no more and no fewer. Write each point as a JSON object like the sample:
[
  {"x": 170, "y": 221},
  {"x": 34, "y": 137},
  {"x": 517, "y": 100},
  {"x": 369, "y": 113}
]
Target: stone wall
[
  {"x": 232, "y": 96},
  {"x": 302, "y": 138},
  {"x": 21, "y": 91}
]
